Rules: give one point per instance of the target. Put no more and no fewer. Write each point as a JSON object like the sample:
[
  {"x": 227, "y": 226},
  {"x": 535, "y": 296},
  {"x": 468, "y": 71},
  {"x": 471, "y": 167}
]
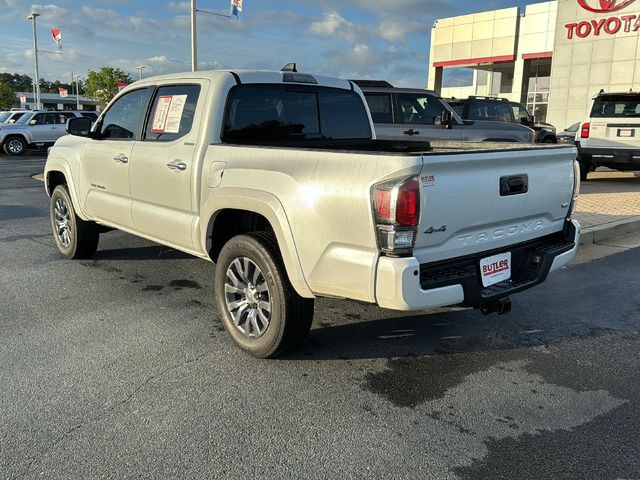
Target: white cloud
[
  {"x": 179, "y": 6},
  {"x": 334, "y": 25},
  {"x": 394, "y": 30}
]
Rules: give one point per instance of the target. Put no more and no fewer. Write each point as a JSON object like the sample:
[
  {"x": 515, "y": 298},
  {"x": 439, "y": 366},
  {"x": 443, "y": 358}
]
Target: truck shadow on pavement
[
  {"x": 153, "y": 252},
  {"x": 579, "y": 302}
]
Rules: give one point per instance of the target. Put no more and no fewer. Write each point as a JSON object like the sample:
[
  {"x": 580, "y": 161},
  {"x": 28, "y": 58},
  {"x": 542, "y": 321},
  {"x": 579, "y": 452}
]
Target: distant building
[
  {"x": 53, "y": 101},
  {"x": 553, "y": 56}
]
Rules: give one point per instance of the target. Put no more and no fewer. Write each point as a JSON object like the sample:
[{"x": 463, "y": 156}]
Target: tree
[
  {"x": 19, "y": 83},
  {"x": 103, "y": 84},
  {"x": 7, "y": 96}
]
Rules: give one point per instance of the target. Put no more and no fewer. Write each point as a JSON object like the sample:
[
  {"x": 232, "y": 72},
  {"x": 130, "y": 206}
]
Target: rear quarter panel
[{"x": 325, "y": 201}]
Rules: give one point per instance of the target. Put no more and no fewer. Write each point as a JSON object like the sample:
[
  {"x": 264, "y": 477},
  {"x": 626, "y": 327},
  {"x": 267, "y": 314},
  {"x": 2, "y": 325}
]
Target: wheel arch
[
  {"x": 58, "y": 173},
  {"x": 13, "y": 135},
  {"x": 242, "y": 211}
]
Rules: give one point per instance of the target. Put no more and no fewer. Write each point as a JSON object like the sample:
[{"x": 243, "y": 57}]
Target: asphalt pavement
[{"x": 118, "y": 367}]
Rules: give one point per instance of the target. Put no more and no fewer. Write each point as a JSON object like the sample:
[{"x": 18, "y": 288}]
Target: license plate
[
  {"x": 495, "y": 269},
  {"x": 626, "y": 132}
]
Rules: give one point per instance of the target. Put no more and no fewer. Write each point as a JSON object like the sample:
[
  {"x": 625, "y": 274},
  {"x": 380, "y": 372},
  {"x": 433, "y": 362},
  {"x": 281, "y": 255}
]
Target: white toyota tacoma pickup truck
[{"x": 277, "y": 178}]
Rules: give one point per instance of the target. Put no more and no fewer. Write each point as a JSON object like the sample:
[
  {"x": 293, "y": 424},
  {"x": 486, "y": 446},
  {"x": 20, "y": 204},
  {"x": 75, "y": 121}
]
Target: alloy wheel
[
  {"x": 247, "y": 297},
  {"x": 62, "y": 219}
]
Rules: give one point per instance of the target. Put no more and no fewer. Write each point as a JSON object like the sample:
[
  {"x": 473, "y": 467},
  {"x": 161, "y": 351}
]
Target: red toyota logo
[{"x": 606, "y": 6}]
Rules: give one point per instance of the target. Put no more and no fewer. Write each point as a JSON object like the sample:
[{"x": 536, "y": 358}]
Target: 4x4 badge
[{"x": 431, "y": 230}]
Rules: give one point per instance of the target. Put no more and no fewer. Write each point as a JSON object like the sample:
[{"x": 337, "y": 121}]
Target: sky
[{"x": 376, "y": 39}]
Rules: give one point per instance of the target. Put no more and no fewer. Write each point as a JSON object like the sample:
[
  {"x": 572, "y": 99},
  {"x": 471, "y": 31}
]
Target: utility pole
[
  {"x": 139, "y": 68},
  {"x": 36, "y": 80},
  {"x": 77, "y": 78},
  {"x": 194, "y": 45}
]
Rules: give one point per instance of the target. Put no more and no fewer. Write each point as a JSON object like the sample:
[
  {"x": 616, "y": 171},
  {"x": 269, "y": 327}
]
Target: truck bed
[{"x": 399, "y": 147}]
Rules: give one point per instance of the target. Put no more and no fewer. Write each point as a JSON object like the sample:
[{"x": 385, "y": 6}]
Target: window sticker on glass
[{"x": 168, "y": 114}]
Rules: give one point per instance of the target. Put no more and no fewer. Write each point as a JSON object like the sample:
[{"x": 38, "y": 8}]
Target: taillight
[
  {"x": 576, "y": 189},
  {"x": 408, "y": 204},
  {"x": 585, "y": 130},
  {"x": 396, "y": 206}
]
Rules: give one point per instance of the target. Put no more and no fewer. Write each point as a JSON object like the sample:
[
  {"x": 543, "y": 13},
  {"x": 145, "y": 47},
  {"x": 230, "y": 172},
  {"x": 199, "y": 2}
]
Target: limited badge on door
[{"x": 495, "y": 269}]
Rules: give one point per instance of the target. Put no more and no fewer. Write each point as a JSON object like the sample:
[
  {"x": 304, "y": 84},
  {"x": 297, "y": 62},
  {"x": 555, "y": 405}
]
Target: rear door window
[
  {"x": 172, "y": 112},
  {"x": 380, "y": 107},
  {"x": 280, "y": 113},
  {"x": 616, "y": 106}
]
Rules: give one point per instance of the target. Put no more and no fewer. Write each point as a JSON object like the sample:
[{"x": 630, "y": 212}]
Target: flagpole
[
  {"x": 194, "y": 46},
  {"x": 36, "y": 81}
]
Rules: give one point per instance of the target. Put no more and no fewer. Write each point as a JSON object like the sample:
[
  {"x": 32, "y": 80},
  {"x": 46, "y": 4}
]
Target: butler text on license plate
[{"x": 495, "y": 269}]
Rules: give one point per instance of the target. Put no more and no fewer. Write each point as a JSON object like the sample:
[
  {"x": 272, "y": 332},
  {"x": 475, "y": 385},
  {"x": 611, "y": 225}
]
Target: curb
[{"x": 608, "y": 231}]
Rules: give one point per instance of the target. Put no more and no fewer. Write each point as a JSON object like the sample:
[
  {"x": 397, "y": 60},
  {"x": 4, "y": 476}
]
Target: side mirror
[
  {"x": 446, "y": 119},
  {"x": 79, "y": 126},
  {"x": 32, "y": 122}
]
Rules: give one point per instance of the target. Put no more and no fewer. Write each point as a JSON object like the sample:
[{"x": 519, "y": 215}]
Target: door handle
[
  {"x": 412, "y": 132},
  {"x": 121, "y": 159},
  {"x": 177, "y": 166},
  {"x": 514, "y": 185}
]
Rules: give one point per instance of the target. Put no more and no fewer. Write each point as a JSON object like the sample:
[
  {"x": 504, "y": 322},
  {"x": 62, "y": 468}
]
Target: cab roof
[{"x": 254, "y": 76}]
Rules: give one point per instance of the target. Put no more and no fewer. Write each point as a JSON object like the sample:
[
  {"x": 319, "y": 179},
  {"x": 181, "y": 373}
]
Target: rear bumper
[
  {"x": 405, "y": 284},
  {"x": 618, "y": 158}
]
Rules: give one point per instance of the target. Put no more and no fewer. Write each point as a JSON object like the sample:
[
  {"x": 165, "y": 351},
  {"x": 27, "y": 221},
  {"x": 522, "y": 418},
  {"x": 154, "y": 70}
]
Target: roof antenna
[{"x": 289, "y": 67}]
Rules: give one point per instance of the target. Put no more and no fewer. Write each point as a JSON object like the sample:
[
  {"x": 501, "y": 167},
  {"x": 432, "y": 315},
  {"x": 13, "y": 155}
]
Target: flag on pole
[
  {"x": 121, "y": 85},
  {"x": 22, "y": 97},
  {"x": 63, "y": 92},
  {"x": 236, "y": 8},
  {"x": 57, "y": 37}
]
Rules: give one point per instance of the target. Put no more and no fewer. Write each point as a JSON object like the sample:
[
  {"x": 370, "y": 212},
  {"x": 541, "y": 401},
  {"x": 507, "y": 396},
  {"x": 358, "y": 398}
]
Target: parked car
[
  {"x": 12, "y": 116},
  {"x": 37, "y": 130},
  {"x": 416, "y": 114},
  {"x": 278, "y": 178},
  {"x": 479, "y": 108},
  {"x": 568, "y": 135},
  {"x": 611, "y": 136}
]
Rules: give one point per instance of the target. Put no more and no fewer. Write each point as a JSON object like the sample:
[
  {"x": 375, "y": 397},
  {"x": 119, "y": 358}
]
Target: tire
[
  {"x": 549, "y": 140},
  {"x": 585, "y": 168},
  {"x": 15, "y": 146},
  {"x": 287, "y": 320},
  {"x": 74, "y": 237}
]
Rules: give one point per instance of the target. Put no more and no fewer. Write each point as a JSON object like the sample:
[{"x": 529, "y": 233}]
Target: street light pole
[
  {"x": 36, "y": 81},
  {"x": 194, "y": 45},
  {"x": 77, "y": 78},
  {"x": 139, "y": 68}
]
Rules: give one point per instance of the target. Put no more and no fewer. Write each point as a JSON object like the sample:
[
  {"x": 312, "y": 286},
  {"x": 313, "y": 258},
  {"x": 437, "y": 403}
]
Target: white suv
[
  {"x": 37, "y": 130},
  {"x": 611, "y": 137}
]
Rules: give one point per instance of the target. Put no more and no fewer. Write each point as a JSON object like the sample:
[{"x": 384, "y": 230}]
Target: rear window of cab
[{"x": 280, "y": 113}]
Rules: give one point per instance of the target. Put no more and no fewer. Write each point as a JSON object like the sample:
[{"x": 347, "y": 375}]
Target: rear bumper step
[
  {"x": 624, "y": 159},
  {"x": 531, "y": 263},
  {"x": 405, "y": 284}
]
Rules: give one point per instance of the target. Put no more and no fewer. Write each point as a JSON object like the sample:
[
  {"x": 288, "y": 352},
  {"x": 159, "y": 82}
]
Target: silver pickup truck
[
  {"x": 422, "y": 115},
  {"x": 277, "y": 178}
]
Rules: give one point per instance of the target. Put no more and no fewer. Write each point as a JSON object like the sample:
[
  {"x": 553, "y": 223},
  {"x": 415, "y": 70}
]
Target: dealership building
[{"x": 552, "y": 56}]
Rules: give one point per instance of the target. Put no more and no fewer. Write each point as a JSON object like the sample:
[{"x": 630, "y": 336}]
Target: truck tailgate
[
  {"x": 475, "y": 202},
  {"x": 618, "y": 133}
]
